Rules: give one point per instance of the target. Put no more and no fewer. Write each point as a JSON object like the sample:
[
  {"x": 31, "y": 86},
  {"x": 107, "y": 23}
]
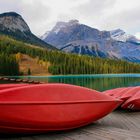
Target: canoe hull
[
  {"x": 122, "y": 94},
  {"x": 133, "y": 103},
  {"x": 8, "y": 86},
  {"x": 130, "y": 93},
  {"x": 115, "y": 92},
  {"x": 51, "y": 117},
  {"x": 51, "y": 107}
]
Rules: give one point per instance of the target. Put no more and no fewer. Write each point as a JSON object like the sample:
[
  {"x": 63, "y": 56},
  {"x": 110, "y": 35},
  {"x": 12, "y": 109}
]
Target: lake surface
[{"x": 99, "y": 82}]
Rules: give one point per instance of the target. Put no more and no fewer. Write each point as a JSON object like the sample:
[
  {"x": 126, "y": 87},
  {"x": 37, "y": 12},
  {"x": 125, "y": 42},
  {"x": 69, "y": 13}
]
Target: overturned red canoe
[
  {"x": 115, "y": 92},
  {"x": 6, "y": 86},
  {"x": 50, "y": 107},
  {"x": 120, "y": 93},
  {"x": 111, "y": 92},
  {"x": 130, "y": 92},
  {"x": 132, "y": 103}
]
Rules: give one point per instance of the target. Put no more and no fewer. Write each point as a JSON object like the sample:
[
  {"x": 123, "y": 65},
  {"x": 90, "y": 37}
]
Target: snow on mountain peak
[
  {"x": 117, "y": 32},
  {"x": 122, "y": 36},
  {"x": 118, "y": 35},
  {"x": 60, "y": 25}
]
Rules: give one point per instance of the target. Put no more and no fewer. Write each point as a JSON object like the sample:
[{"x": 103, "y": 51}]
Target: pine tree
[{"x": 29, "y": 71}]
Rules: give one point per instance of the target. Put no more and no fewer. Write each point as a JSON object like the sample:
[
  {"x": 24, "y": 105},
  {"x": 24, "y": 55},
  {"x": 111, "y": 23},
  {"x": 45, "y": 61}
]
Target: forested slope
[
  {"x": 64, "y": 63},
  {"x": 8, "y": 65}
]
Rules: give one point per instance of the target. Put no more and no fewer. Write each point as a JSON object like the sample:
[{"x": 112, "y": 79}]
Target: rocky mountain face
[
  {"x": 12, "y": 24},
  {"x": 120, "y": 35},
  {"x": 74, "y": 37}
]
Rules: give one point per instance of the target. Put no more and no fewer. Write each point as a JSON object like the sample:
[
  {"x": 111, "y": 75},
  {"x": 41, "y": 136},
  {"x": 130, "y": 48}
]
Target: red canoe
[
  {"x": 130, "y": 92},
  {"x": 115, "y": 92},
  {"x": 112, "y": 91},
  {"x": 6, "y": 86},
  {"x": 120, "y": 93},
  {"x": 50, "y": 107},
  {"x": 133, "y": 103}
]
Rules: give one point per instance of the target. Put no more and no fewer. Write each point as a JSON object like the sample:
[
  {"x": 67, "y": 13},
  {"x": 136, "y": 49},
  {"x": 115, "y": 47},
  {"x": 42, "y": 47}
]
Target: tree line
[
  {"x": 8, "y": 65},
  {"x": 65, "y": 63}
]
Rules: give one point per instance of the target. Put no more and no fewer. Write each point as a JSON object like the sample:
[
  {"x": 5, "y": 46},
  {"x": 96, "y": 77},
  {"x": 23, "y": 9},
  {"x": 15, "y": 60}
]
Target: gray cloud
[
  {"x": 41, "y": 15},
  {"x": 36, "y": 14},
  {"x": 93, "y": 12},
  {"x": 6, "y": 5},
  {"x": 105, "y": 15},
  {"x": 128, "y": 20}
]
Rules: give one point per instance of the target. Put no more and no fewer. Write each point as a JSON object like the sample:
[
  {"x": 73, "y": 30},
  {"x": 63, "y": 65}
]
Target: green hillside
[{"x": 63, "y": 63}]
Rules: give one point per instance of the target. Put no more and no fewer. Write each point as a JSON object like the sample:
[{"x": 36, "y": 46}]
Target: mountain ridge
[
  {"x": 13, "y": 25},
  {"x": 74, "y": 37}
]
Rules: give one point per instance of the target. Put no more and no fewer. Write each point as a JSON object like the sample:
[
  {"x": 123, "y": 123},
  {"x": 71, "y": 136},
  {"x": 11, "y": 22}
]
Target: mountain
[
  {"x": 121, "y": 35},
  {"x": 12, "y": 24},
  {"x": 74, "y": 37}
]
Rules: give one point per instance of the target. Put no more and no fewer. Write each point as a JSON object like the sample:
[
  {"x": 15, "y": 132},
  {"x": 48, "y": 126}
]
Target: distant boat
[
  {"x": 6, "y": 86},
  {"x": 51, "y": 107}
]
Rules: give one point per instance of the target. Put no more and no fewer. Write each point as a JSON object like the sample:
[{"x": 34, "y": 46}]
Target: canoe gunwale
[{"x": 57, "y": 102}]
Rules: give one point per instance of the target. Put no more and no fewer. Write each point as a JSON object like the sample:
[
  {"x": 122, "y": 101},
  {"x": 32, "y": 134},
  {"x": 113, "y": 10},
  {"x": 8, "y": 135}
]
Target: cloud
[
  {"x": 34, "y": 12},
  {"x": 93, "y": 12},
  {"x": 125, "y": 16},
  {"x": 111, "y": 14},
  {"x": 6, "y": 5},
  {"x": 137, "y": 35},
  {"x": 41, "y": 15}
]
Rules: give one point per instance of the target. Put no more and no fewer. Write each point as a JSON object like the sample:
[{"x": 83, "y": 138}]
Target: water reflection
[{"x": 98, "y": 82}]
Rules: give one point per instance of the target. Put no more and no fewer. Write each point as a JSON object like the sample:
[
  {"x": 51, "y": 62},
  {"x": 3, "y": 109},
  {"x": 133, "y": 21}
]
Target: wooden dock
[
  {"x": 119, "y": 125},
  {"x": 14, "y": 80}
]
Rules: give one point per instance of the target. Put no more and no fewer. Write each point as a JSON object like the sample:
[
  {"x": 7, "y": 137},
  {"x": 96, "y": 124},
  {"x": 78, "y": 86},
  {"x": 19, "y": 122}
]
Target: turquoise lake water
[{"x": 99, "y": 82}]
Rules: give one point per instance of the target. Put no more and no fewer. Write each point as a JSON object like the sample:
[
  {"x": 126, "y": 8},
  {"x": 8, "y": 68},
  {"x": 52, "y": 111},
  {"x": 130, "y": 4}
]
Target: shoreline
[{"x": 79, "y": 75}]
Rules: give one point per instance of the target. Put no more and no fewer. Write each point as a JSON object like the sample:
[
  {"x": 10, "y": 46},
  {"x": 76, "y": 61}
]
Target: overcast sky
[{"x": 41, "y": 15}]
